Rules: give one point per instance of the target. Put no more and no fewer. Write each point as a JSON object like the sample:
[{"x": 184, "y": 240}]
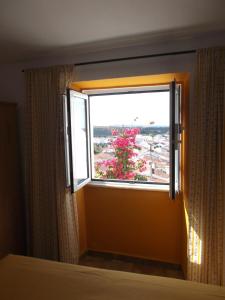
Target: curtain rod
[{"x": 133, "y": 57}]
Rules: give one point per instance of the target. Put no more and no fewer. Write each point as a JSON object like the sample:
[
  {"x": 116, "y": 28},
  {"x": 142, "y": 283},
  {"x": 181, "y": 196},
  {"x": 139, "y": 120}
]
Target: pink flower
[
  {"x": 115, "y": 132},
  {"x": 121, "y": 166}
]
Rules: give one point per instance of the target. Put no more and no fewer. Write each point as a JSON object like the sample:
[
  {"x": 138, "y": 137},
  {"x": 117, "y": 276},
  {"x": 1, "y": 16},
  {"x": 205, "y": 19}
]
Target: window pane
[
  {"x": 79, "y": 139},
  {"x": 67, "y": 160},
  {"x": 130, "y": 137}
]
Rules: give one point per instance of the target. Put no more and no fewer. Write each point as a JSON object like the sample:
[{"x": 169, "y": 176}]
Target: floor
[{"x": 130, "y": 264}]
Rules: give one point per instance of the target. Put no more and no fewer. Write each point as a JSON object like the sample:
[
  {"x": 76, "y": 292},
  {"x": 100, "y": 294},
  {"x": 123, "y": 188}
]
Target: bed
[{"x": 30, "y": 278}]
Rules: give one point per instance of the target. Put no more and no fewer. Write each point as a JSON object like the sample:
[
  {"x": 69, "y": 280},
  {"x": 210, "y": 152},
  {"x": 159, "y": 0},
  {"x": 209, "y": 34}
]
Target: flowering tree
[{"x": 123, "y": 165}]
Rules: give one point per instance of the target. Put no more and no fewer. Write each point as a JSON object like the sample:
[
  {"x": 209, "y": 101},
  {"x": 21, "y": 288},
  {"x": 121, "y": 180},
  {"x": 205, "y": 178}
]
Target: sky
[{"x": 130, "y": 109}]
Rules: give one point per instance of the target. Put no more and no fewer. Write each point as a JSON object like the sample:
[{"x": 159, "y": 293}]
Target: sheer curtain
[
  {"x": 52, "y": 215},
  {"x": 206, "y": 205}
]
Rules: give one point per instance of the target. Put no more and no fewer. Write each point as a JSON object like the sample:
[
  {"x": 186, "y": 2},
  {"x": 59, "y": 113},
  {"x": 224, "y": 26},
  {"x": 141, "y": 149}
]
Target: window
[
  {"x": 77, "y": 144},
  {"x": 127, "y": 135},
  {"x": 130, "y": 136}
]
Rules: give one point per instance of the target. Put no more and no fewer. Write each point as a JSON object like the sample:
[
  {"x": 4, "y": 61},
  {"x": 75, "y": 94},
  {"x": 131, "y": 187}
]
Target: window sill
[{"x": 133, "y": 186}]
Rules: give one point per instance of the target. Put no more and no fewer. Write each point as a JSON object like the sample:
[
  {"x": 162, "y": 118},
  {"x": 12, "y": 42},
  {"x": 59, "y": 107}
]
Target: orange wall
[
  {"x": 134, "y": 222},
  {"x": 79, "y": 198},
  {"x": 129, "y": 81}
]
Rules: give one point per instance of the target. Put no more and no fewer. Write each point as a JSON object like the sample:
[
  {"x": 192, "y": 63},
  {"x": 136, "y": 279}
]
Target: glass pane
[
  {"x": 177, "y": 138},
  {"x": 175, "y": 119},
  {"x": 67, "y": 160},
  {"x": 130, "y": 137},
  {"x": 79, "y": 139}
]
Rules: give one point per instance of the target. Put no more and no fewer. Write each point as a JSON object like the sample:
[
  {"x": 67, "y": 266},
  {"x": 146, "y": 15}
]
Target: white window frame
[
  {"x": 173, "y": 187},
  {"x": 68, "y": 140}
]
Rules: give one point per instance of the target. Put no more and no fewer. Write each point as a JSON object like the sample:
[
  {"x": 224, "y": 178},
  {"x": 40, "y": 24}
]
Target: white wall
[
  {"x": 12, "y": 79},
  {"x": 156, "y": 65}
]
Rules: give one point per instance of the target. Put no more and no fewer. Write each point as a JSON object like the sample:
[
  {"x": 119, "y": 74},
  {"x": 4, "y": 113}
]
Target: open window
[
  {"x": 175, "y": 138},
  {"x": 77, "y": 134},
  {"x": 128, "y": 136}
]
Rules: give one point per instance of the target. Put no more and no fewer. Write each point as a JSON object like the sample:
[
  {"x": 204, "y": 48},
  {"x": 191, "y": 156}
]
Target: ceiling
[{"x": 31, "y": 28}]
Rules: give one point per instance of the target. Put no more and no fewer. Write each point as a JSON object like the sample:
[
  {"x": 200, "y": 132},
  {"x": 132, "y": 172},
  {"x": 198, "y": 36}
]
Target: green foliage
[{"x": 140, "y": 177}]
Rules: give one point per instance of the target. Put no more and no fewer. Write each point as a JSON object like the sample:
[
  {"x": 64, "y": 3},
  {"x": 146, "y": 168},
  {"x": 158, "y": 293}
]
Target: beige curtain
[
  {"x": 206, "y": 252},
  {"x": 52, "y": 215}
]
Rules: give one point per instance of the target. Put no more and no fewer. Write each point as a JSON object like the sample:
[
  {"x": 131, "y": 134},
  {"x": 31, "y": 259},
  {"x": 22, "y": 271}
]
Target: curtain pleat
[
  {"x": 206, "y": 252},
  {"x": 52, "y": 214}
]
